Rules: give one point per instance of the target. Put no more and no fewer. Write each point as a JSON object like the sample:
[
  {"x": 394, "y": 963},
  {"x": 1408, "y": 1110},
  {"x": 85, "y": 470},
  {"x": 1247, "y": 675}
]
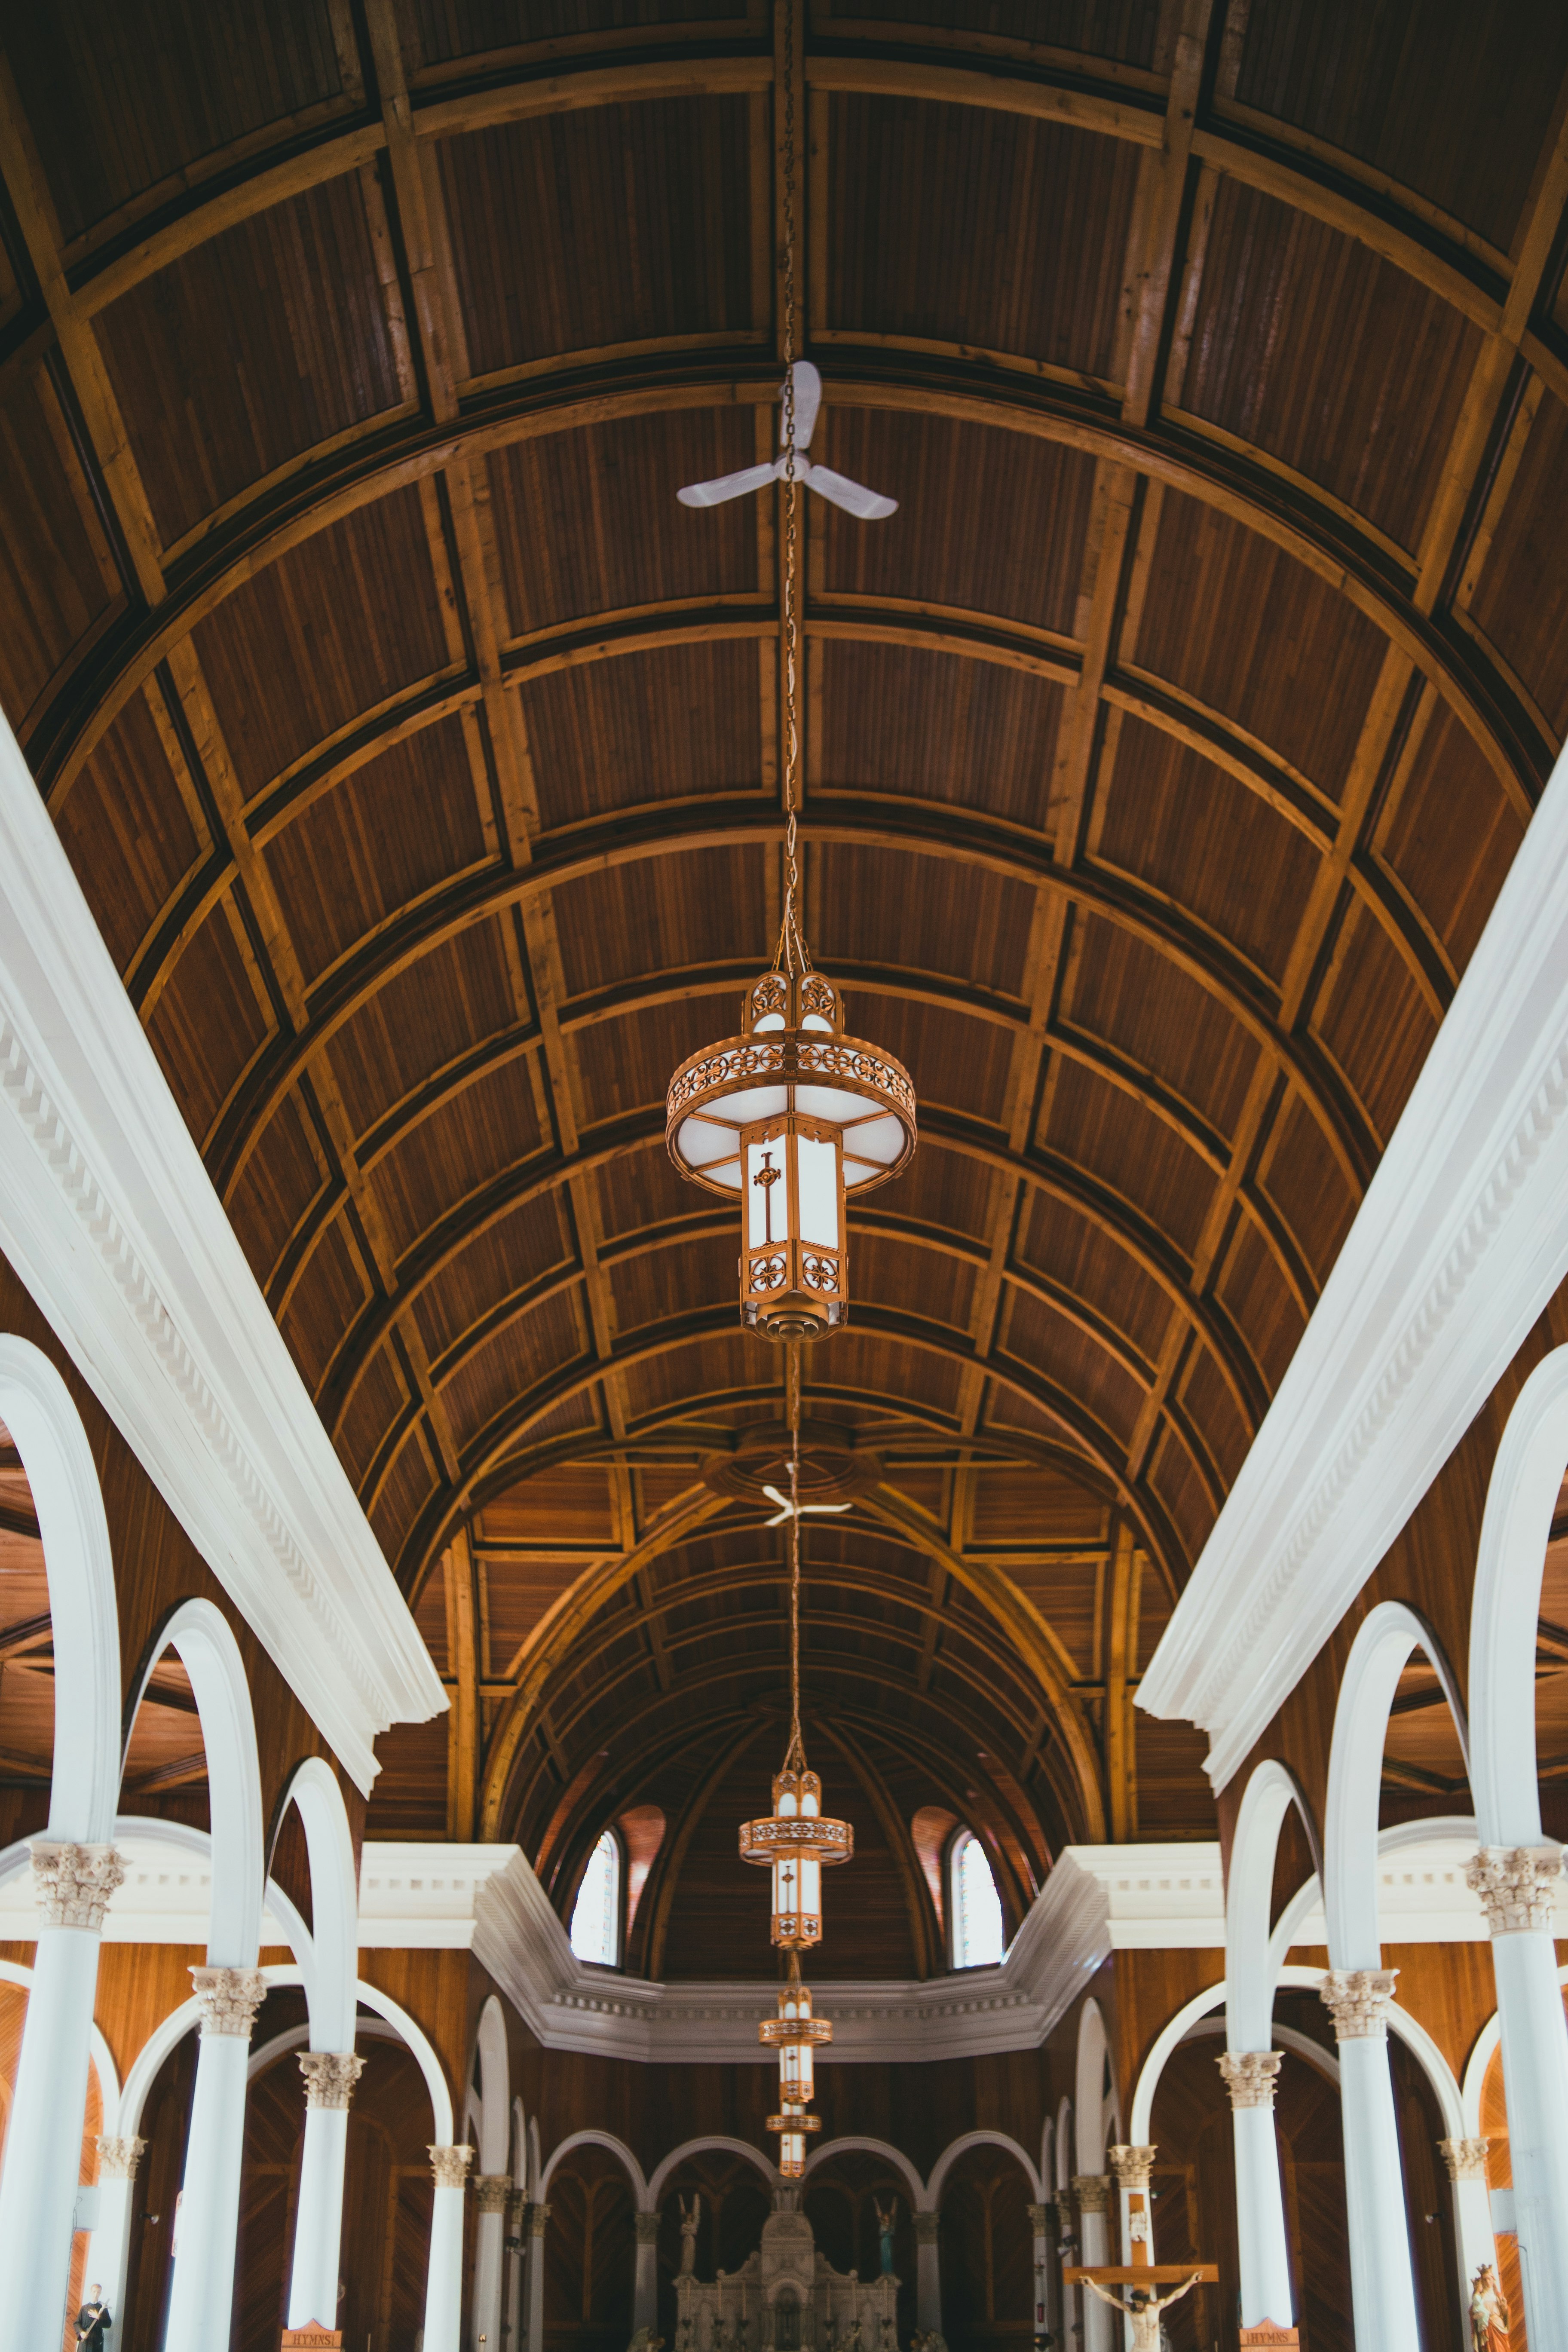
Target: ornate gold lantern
[
  {"x": 795, "y": 2034},
  {"x": 798, "y": 1842}
]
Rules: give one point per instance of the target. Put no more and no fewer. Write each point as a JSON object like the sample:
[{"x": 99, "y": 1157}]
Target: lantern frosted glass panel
[{"x": 818, "y": 1165}]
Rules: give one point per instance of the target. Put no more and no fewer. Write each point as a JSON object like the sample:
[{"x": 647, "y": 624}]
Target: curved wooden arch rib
[{"x": 65, "y": 736}]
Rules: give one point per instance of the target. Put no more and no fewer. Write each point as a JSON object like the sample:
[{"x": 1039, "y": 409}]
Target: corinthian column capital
[
  {"x": 1464, "y": 2160},
  {"x": 229, "y": 1998},
  {"x": 491, "y": 2191},
  {"x": 330, "y": 2077},
  {"x": 117, "y": 2158},
  {"x": 451, "y": 2165},
  {"x": 646, "y": 2227},
  {"x": 537, "y": 2219},
  {"x": 1359, "y": 2000},
  {"x": 1092, "y": 2190},
  {"x": 1515, "y": 1884},
  {"x": 1250, "y": 2076},
  {"x": 927, "y": 2225},
  {"x": 1131, "y": 2166},
  {"x": 72, "y": 1884}
]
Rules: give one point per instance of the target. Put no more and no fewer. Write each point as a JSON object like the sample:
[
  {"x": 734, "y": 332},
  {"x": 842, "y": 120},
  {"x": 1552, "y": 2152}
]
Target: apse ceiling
[{"x": 418, "y": 756}]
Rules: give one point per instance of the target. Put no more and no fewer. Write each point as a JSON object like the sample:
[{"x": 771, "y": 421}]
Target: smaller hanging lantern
[
  {"x": 798, "y": 1842},
  {"x": 795, "y": 2034}
]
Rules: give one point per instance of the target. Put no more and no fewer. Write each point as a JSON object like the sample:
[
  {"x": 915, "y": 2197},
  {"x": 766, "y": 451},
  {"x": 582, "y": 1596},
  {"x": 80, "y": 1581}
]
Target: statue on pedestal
[
  {"x": 885, "y": 2222},
  {"x": 1490, "y": 2315},
  {"x": 688, "y": 2221}
]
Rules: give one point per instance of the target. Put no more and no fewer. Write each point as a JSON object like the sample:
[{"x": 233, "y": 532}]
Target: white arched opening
[
  {"x": 649, "y": 2202},
  {"x": 43, "y": 2149},
  {"x": 962, "y": 2145},
  {"x": 1088, "y": 2121},
  {"x": 494, "y": 2133},
  {"x": 922, "y": 2198},
  {"x": 641, "y": 2192}
]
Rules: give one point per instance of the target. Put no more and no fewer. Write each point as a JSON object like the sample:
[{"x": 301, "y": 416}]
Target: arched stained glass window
[
  {"x": 596, "y": 1920},
  {"x": 975, "y": 1907}
]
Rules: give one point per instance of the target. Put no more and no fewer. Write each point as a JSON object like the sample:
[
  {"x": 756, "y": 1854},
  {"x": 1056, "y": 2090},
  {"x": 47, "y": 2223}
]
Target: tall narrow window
[
  {"x": 976, "y": 1906},
  {"x": 596, "y": 1920}
]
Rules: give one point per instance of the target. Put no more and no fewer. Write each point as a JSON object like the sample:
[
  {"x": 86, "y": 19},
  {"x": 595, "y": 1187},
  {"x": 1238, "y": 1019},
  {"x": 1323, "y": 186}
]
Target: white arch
[
  {"x": 334, "y": 1903},
  {"x": 495, "y": 2088},
  {"x": 1515, "y": 1527},
  {"x": 850, "y": 2146},
  {"x": 1048, "y": 2156},
  {"x": 1379, "y": 1654},
  {"x": 617, "y": 2148},
  {"x": 1088, "y": 2089},
  {"x": 695, "y": 2147},
  {"x": 296, "y": 2037},
  {"x": 201, "y": 1635},
  {"x": 1284, "y": 2037},
  {"x": 519, "y": 2145},
  {"x": 1250, "y": 1968},
  {"x": 535, "y": 2168},
  {"x": 1064, "y": 2146},
  {"x": 37, "y": 1408},
  {"x": 962, "y": 2145},
  {"x": 12, "y": 1972}
]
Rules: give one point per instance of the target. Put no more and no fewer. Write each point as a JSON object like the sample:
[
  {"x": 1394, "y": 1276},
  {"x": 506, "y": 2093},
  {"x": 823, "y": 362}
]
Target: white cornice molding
[
  {"x": 1459, "y": 1244},
  {"x": 110, "y": 1219}
]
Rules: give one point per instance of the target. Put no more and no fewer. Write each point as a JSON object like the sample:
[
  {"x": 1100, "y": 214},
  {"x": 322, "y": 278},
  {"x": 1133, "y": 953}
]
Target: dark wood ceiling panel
[
  {"x": 379, "y": 841},
  {"x": 1106, "y": 1131},
  {"x": 917, "y": 915},
  {"x": 658, "y": 1284},
  {"x": 589, "y": 522},
  {"x": 424, "y": 1018},
  {"x": 327, "y": 1298},
  {"x": 954, "y": 1061},
  {"x": 1374, "y": 1020},
  {"x": 1125, "y": 30},
  {"x": 877, "y": 1366},
  {"x": 1304, "y": 1178},
  {"x": 1246, "y": 629},
  {"x": 57, "y": 576},
  {"x": 660, "y": 726},
  {"x": 724, "y": 1366},
  {"x": 1387, "y": 84},
  {"x": 659, "y": 914},
  {"x": 571, "y": 1504},
  {"x": 314, "y": 639},
  {"x": 541, "y": 1341},
  {"x": 1062, "y": 1353},
  {"x": 1328, "y": 357},
  {"x": 1450, "y": 835},
  {"x": 1119, "y": 988},
  {"x": 126, "y": 97},
  {"x": 1254, "y": 1294},
  {"x": 626, "y": 1064},
  {"x": 130, "y": 835},
  {"x": 438, "y": 31},
  {"x": 1210, "y": 1406},
  {"x": 1521, "y": 599},
  {"x": 989, "y": 521},
  {"x": 940, "y": 728},
  {"x": 1011, "y": 1505},
  {"x": 949, "y": 1190},
  {"x": 931, "y": 1285},
  {"x": 407, "y": 1487},
  {"x": 519, "y": 1250},
  {"x": 286, "y": 1171},
  {"x": 378, "y": 1402},
  {"x": 617, "y": 224},
  {"x": 477, "y": 1133},
  {"x": 1173, "y": 1799},
  {"x": 210, "y": 1020},
  {"x": 639, "y": 1190},
  {"x": 1174, "y": 1477},
  {"x": 226, "y": 366},
  {"x": 928, "y": 195},
  {"x": 1068, "y": 1249}
]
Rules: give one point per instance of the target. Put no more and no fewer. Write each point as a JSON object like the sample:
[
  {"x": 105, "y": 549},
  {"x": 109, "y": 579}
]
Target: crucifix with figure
[{"x": 1140, "y": 2276}]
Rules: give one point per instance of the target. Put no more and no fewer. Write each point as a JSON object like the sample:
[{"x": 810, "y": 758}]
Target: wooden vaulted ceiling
[{"x": 418, "y": 756}]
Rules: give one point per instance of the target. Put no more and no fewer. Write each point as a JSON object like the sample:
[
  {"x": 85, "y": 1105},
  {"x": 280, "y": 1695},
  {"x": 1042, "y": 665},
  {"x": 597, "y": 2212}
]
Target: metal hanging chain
[
  {"x": 791, "y": 953},
  {"x": 794, "y": 1759}
]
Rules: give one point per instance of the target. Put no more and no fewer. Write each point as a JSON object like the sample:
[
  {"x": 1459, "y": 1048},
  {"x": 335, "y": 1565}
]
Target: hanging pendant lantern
[
  {"x": 795, "y": 2034},
  {"x": 798, "y": 1842},
  {"x": 791, "y": 1117}
]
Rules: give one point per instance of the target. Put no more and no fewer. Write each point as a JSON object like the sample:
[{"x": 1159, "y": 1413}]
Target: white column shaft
[
  {"x": 1535, "y": 2079},
  {"x": 1260, "y": 2220},
  {"x": 644, "y": 2287},
  {"x": 1383, "y": 2286},
  {"x": 42, "y": 2144},
  {"x": 535, "y": 2295},
  {"x": 108, "y": 2248},
  {"x": 318, "y": 2221},
  {"x": 490, "y": 2233},
  {"x": 1098, "y": 2319},
  {"x": 928, "y": 2287},
  {"x": 201, "y": 2301},
  {"x": 444, "y": 2280},
  {"x": 512, "y": 2325},
  {"x": 1473, "y": 2240}
]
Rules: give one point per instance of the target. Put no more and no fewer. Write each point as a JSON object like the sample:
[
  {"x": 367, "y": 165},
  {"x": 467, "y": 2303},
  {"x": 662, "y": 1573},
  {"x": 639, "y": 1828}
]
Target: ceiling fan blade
[
  {"x": 807, "y": 401},
  {"x": 870, "y": 505},
  {"x": 728, "y": 486}
]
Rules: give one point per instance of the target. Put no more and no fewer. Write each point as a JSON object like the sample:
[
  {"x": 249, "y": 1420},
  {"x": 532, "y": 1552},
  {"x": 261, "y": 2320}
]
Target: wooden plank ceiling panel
[
  {"x": 1087, "y": 1263},
  {"x": 936, "y": 727},
  {"x": 58, "y": 574},
  {"x": 1125, "y": 30},
  {"x": 649, "y": 726},
  {"x": 1521, "y": 601}
]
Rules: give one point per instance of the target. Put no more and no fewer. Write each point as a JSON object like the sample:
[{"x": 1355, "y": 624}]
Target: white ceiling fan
[{"x": 870, "y": 505}]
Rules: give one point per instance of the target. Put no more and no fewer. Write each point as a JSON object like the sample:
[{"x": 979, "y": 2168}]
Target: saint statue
[
  {"x": 688, "y": 2221},
  {"x": 1490, "y": 2318},
  {"x": 885, "y": 2230},
  {"x": 1143, "y": 2309},
  {"x": 92, "y": 2321}
]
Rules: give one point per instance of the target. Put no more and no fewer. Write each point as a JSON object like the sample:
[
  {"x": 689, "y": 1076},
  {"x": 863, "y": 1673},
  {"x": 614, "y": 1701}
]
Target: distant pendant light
[
  {"x": 792, "y": 1115},
  {"x": 797, "y": 1841}
]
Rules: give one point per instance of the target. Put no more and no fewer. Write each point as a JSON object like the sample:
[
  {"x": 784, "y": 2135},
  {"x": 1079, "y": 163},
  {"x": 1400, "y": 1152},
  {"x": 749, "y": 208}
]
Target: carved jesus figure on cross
[{"x": 1144, "y": 2311}]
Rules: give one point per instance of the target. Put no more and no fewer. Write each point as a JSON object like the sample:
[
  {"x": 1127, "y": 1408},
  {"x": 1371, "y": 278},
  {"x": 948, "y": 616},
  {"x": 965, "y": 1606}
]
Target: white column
[
  {"x": 71, "y": 1887},
  {"x": 201, "y": 2302},
  {"x": 1131, "y": 2168},
  {"x": 538, "y": 2223},
  {"x": 1466, "y": 2163},
  {"x": 1383, "y": 2284},
  {"x": 1040, "y": 2219},
  {"x": 515, "y": 2320},
  {"x": 329, "y": 2079},
  {"x": 927, "y": 2274},
  {"x": 1516, "y": 1886},
  {"x": 108, "y": 2248},
  {"x": 1250, "y": 2077},
  {"x": 644, "y": 2278},
  {"x": 444, "y": 2278},
  {"x": 490, "y": 2193},
  {"x": 1092, "y": 2190}
]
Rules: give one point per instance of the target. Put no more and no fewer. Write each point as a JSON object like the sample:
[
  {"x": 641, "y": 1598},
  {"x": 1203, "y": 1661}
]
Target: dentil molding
[{"x": 1461, "y": 1240}]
